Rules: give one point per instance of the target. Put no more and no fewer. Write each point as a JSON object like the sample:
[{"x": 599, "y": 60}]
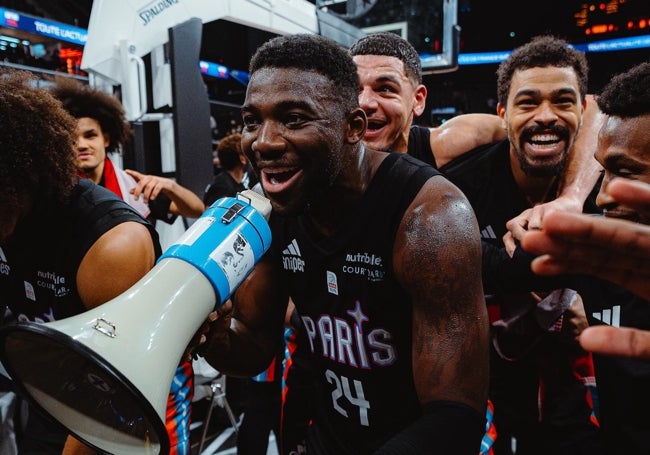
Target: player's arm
[
  {"x": 75, "y": 447},
  {"x": 463, "y": 133},
  {"x": 115, "y": 262},
  {"x": 437, "y": 258},
  {"x": 582, "y": 171},
  {"x": 184, "y": 201},
  {"x": 615, "y": 250}
]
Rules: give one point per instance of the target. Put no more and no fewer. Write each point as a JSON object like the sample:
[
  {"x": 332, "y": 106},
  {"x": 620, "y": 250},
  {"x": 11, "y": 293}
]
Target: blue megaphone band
[{"x": 225, "y": 243}]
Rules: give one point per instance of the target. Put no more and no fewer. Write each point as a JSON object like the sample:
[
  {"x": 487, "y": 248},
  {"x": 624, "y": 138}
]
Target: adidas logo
[
  {"x": 611, "y": 316},
  {"x": 488, "y": 233},
  {"x": 292, "y": 249},
  {"x": 291, "y": 259}
]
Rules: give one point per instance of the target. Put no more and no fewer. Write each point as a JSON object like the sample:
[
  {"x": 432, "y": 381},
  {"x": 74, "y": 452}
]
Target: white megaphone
[{"x": 105, "y": 374}]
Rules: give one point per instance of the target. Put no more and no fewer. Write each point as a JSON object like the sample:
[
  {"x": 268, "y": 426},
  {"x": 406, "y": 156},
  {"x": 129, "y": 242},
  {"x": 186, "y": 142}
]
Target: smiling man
[
  {"x": 398, "y": 349},
  {"x": 541, "y": 91},
  {"x": 393, "y": 96}
]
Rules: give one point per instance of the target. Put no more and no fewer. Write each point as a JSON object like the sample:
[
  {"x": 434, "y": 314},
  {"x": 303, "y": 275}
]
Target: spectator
[
  {"x": 102, "y": 128},
  {"x": 236, "y": 173}
]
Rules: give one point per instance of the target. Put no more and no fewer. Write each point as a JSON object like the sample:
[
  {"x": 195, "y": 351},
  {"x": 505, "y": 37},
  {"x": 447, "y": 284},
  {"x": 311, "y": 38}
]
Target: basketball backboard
[{"x": 429, "y": 25}]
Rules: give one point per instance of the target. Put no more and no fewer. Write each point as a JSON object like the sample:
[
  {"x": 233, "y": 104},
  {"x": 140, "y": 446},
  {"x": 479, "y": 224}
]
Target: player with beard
[{"x": 539, "y": 376}]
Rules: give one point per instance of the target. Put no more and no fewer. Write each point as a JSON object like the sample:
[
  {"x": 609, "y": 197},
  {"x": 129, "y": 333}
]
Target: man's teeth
[{"x": 545, "y": 138}]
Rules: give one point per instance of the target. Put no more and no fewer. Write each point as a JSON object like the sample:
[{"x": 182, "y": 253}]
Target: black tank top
[
  {"x": 356, "y": 317},
  {"x": 419, "y": 145}
]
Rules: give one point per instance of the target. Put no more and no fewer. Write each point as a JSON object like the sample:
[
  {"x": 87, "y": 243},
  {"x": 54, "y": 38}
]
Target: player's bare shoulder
[{"x": 438, "y": 231}]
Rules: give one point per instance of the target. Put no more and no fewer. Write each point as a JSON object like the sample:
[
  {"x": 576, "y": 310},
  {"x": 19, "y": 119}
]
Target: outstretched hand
[
  {"x": 148, "y": 186},
  {"x": 183, "y": 201},
  {"x": 612, "y": 249}
]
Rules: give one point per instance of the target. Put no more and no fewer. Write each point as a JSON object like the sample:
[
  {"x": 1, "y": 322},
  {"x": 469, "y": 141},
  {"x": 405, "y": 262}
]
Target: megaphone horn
[{"x": 105, "y": 374}]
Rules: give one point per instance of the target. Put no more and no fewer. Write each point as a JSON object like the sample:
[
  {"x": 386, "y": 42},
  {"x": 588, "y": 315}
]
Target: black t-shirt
[
  {"x": 484, "y": 175},
  {"x": 223, "y": 185},
  {"x": 42, "y": 257},
  {"x": 38, "y": 267}
]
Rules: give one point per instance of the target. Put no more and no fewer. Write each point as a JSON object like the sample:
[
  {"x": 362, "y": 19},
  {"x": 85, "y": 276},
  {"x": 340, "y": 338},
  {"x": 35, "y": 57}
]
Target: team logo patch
[{"x": 332, "y": 283}]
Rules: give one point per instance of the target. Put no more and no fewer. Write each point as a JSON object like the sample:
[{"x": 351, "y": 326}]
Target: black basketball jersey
[
  {"x": 419, "y": 145},
  {"x": 485, "y": 176},
  {"x": 356, "y": 317},
  {"x": 38, "y": 264},
  {"x": 623, "y": 393}
]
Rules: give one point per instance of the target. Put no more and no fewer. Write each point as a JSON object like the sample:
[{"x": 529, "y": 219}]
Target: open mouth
[
  {"x": 276, "y": 180},
  {"x": 374, "y": 125}
]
